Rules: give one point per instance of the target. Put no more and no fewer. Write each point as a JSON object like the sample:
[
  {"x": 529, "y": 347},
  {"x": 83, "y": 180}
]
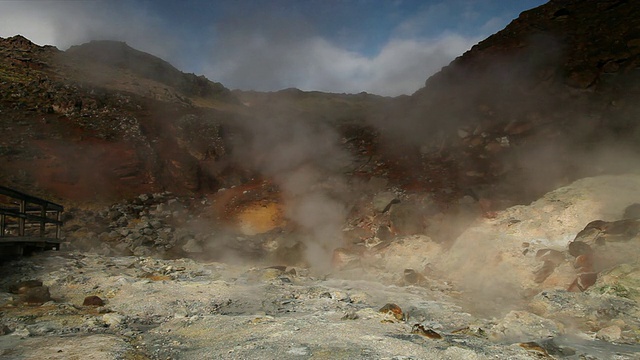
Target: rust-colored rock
[
  {"x": 393, "y": 310},
  {"x": 583, "y": 282},
  {"x": 31, "y": 292},
  {"x": 425, "y": 331},
  {"x": 584, "y": 261},
  {"x": 93, "y": 300},
  {"x": 534, "y": 347},
  {"x": 35, "y": 295}
]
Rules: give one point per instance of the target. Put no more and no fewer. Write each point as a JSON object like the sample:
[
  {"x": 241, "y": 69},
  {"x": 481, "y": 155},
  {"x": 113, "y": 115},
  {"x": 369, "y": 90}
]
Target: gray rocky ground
[{"x": 481, "y": 297}]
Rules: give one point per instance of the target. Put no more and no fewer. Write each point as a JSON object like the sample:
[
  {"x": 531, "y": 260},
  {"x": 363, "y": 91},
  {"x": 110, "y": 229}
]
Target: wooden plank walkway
[{"x": 28, "y": 223}]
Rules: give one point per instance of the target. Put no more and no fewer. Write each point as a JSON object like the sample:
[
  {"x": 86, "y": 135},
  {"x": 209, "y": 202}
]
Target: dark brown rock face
[
  {"x": 78, "y": 136},
  {"x": 93, "y": 300}
]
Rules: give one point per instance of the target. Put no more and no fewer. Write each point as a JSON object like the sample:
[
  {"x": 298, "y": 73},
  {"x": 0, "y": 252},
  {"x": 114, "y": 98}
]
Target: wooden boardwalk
[{"x": 28, "y": 223}]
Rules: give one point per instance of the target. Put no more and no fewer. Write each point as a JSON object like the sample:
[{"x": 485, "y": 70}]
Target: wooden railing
[{"x": 28, "y": 223}]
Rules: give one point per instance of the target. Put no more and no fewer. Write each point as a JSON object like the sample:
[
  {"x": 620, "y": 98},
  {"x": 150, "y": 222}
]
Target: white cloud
[
  {"x": 401, "y": 66},
  {"x": 66, "y": 23},
  {"x": 262, "y": 53}
]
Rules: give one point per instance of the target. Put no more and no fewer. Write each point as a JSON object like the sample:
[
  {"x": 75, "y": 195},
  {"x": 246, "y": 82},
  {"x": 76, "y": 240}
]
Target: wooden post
[
  {"x": 58, "y": 227},
  {"x": 23, "y": 211},
  {"x": 43, "y": 219}
]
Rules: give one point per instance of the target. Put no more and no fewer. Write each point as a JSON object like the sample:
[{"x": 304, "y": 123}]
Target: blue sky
[{"x": 387, "y": 47}]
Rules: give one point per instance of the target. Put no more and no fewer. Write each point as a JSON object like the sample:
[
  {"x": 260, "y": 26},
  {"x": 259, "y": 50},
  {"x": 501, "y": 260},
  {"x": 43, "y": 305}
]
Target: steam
[{"x": 305, "y": 160}]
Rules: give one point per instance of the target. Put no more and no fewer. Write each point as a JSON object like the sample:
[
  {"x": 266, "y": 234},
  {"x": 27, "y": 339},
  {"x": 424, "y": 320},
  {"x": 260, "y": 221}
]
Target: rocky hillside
[
  {"x": 105, "y": 121},
  {"x": 73, "y": 135},
  {"x": 203, "y": 222},
  {"x": 120, "y": 56},
  {"x": 550, "y": 97},
  {"x": 547, "y": 100}
]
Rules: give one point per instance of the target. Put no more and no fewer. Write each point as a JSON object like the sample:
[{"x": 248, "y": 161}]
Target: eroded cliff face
[{"x": 81, "y": 129}]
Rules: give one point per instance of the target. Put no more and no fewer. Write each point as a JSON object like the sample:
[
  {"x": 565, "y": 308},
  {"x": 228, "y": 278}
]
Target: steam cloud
[{"x": 304, "y": 159}]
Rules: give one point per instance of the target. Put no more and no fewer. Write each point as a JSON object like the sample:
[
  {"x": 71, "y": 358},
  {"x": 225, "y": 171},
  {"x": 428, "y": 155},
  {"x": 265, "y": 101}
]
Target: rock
[
  {"x": 625, "y": 229},
  {"x": 192, "y": 246},
  {"x": 21, "y": 332},
  {"x": 577, "y": 248},
  {"x": 584, "y": 310},
  {"x": 584, "y": 262},
  {"x": 41, "y": 329},
  {"x": 113, "y": 319},
  {"x": 93, "y": 300},
  {"x": 4, "y": 330},
  {"x": 611, "y": 333},
  {"x": 632, "y": 211},
  {"x": 141, "y": 251},
  {"x": 343, "y": 258},
  {"x": 35, "y": 295},
  {"x": 407, "y": 219},
  {"x": 411, "y": 277},
  {"x": 425, "y": 331},
  {"x": 401, "y": 254},
  {"x": 543, "y": 272},
  {"x": 554, "y": 256},
  {"x": 622, "y": 281},
  {"x": 394, "y": 310},
  {"x": 583, "y": 281},
  {"x": 270, "y": 273},
  {"x": 350, "y": 315},
  {"x": 21, "y": 287},
  {"x": 382, "y": 201},
  {"x": 523, "y": 326},
  {"x": 384, "y": 233},
  {"x": 534, "y": 347}
]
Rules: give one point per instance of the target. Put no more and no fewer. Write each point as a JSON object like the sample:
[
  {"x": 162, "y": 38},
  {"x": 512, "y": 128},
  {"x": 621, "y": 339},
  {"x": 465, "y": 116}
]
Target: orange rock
[
  {"x": 583, "y": 281},
  {"x": 583, "y": 262},
  {"x": 424, "y": 331},
  {"x": 533, "y": 346},
  {"x": 394, "y": 310}
]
